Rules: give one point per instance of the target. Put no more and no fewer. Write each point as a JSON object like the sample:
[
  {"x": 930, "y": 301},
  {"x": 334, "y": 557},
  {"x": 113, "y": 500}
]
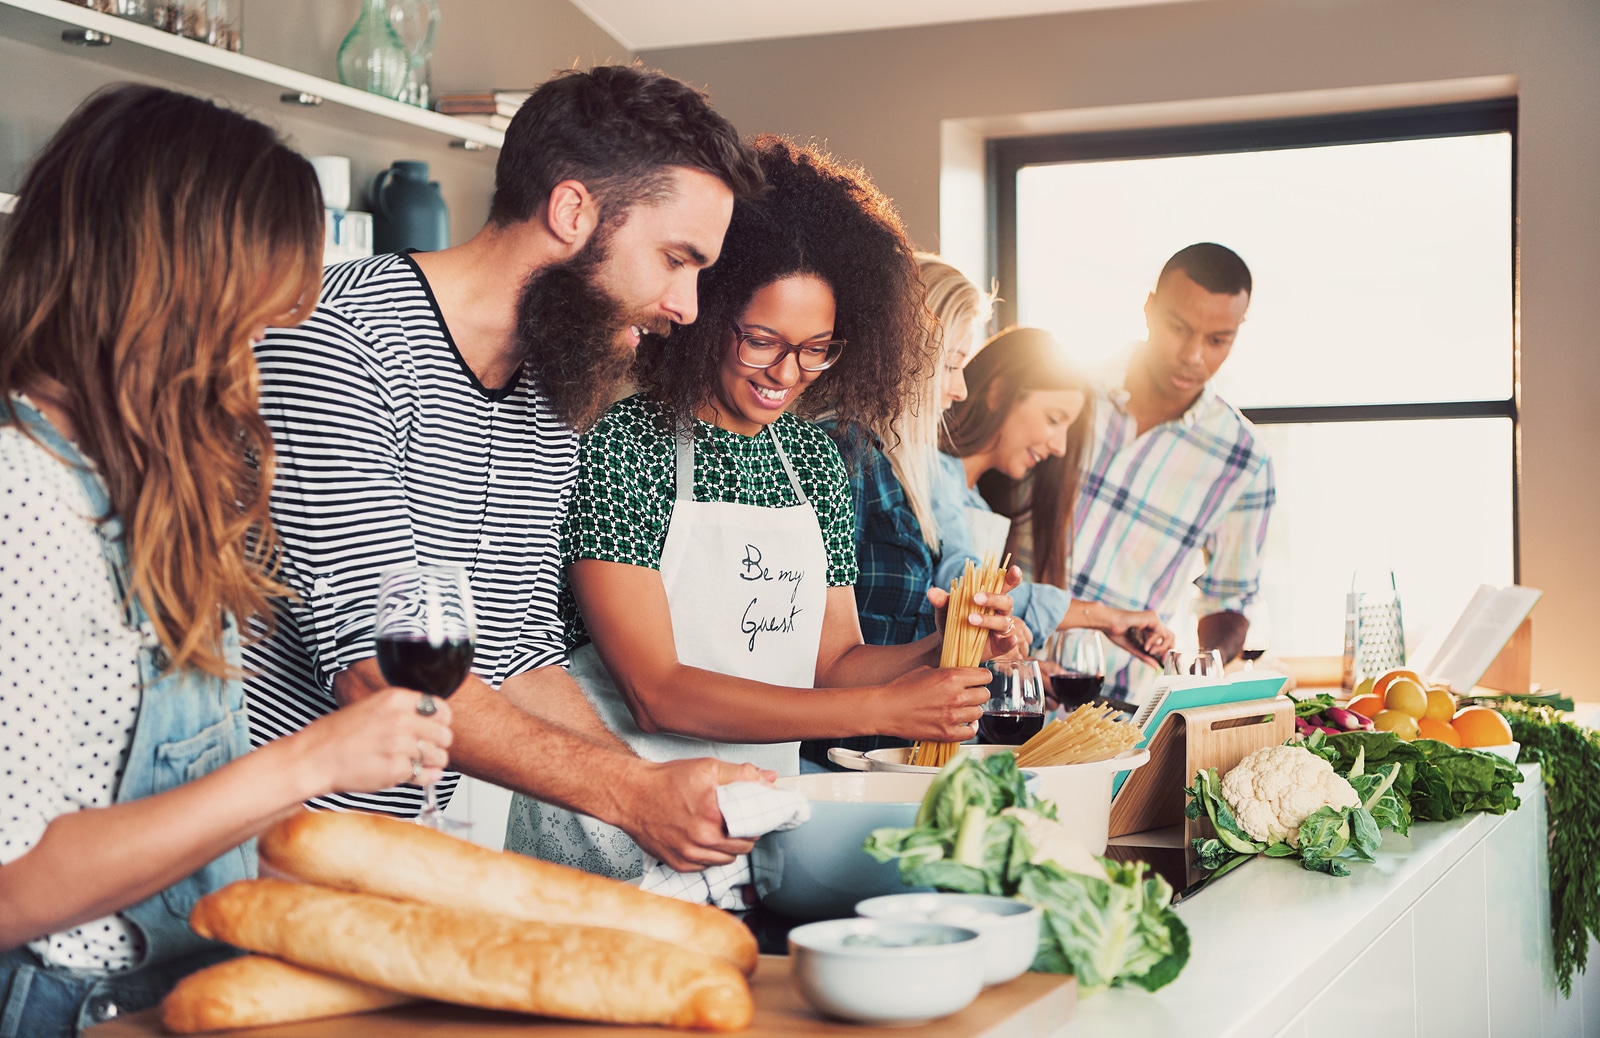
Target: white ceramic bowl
[
  {"x": 871, "y": 971},
  {"x": 1007, "y": 928},
  {"x": 1082, "y": 792}
]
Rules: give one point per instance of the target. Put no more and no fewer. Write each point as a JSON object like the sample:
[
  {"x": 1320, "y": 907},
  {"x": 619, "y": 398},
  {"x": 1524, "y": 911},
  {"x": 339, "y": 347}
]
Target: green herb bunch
[{"x": 1569, "y": 757}]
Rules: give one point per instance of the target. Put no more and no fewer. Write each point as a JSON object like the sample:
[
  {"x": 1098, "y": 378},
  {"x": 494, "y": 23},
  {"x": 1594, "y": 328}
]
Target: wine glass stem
[{"x": 431, "y": 814}]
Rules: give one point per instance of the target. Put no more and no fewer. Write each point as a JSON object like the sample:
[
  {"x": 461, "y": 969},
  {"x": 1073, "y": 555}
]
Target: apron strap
[
  {"x": 794, "y": 480},
  {"x": 685, "y": 465}
]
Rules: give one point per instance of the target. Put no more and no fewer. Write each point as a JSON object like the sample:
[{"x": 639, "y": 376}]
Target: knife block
[{"x": 1188, "y": 742}]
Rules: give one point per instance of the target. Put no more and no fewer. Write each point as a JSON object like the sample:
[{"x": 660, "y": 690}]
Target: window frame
[{"x": 1007, "y": 156}]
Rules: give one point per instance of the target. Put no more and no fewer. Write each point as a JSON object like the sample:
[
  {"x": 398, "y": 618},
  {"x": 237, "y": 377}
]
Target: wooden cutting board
[{"x": 1033, "y": 1004}]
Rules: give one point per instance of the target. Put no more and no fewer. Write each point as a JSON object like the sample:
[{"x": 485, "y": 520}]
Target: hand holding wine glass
[{"x": 425, "y": 631}]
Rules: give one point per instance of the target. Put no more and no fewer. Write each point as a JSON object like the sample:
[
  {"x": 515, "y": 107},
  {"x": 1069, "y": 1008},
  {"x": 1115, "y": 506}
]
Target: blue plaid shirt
[{"x": 896, "y": 566}]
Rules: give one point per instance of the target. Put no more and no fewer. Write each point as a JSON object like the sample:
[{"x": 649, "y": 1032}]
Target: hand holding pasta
[{"x": 964, "y": 641}]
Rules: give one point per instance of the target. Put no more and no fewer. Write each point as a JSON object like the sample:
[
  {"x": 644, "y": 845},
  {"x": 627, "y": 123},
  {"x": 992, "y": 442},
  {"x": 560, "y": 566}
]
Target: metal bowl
[{"x": 819, "y": 871}]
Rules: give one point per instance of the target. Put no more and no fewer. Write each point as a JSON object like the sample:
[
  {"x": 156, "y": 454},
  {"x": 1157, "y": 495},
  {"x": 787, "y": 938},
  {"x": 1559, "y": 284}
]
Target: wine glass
[
  {"x": 1081, "y": 654},
  {"x": 1206, "y": 663},
  {"x": 425, "y": 632},
  {"x": 1015, "y": 711}
]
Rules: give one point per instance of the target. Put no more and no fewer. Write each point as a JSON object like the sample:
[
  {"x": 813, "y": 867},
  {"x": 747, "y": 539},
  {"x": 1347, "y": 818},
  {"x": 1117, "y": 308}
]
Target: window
[{"x": 1378, "y": 356}]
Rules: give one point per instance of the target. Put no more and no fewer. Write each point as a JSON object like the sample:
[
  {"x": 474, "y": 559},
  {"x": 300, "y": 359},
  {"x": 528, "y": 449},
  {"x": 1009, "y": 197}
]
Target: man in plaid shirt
[{"x": 1175, "y": 469}]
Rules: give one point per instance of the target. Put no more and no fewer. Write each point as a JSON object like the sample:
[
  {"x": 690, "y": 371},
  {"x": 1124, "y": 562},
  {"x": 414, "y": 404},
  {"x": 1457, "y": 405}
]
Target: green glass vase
[{"x": 372, "y": 57}]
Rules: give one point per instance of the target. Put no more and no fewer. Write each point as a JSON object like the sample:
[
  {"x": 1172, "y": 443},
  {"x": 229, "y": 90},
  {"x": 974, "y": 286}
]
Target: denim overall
[{"x": 189, "y": 723}]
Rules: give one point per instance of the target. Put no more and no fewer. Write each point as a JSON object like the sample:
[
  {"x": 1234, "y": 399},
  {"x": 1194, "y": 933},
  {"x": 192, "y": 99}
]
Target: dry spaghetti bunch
[
  {"x": 964, "y": 640},
  {"x": 1089, "y": 733}
]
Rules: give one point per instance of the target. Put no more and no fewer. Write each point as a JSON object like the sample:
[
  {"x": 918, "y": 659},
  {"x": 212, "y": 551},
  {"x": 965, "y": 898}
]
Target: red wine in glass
[
  {"x": 1009, "y": 727},
  {"x": 423, "y": 634},
  {"x": 1073, "y": 689},
  {"x": 423, "y": 666}
]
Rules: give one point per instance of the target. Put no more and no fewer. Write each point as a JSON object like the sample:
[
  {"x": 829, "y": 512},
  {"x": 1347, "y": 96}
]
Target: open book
[{"x": 1482, "y": 630}]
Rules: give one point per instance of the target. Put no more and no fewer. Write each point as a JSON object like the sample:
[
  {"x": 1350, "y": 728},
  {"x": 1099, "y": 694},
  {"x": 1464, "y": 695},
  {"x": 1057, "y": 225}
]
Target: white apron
[{"x": 747, "y": 588}]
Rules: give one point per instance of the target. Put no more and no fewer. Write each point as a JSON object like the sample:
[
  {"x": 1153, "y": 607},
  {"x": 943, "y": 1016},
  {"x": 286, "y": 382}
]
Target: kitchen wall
[
  {"x": 879, "y": 98},
  {"x": 482, "y": 43}
]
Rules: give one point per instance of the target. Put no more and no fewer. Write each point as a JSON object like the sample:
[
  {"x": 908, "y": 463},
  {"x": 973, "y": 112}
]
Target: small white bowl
[
  {"x": 874, "y": 971},
  {"x": 1008, "y": 929}
]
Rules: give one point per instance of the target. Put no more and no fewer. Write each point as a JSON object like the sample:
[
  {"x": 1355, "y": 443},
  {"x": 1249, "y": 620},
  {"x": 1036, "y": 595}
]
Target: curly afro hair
[{"x": 822, "y": 218}]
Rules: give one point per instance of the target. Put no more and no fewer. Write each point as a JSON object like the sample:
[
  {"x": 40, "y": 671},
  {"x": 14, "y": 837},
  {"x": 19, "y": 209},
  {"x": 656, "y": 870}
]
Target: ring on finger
[{"x": 416, "y": 769}]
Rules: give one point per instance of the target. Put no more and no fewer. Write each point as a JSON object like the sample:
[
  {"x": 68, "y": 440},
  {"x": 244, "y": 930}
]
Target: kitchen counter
[{"x": 1447, "y": 934}]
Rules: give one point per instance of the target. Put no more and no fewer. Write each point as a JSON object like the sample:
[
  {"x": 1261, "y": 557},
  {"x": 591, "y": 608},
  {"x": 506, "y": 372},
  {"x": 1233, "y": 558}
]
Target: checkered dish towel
[{"x": 750, "y": 809}]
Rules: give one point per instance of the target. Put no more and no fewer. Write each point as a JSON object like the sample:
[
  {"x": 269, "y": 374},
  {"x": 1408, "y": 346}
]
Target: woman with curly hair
[
  {"x": 710, "y": 544},
  {"x": 155, "y": 236}
]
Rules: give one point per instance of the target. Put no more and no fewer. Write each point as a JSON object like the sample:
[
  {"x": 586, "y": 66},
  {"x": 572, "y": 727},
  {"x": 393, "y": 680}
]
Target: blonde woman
[
  {"x": 893, "y": 470},
  {"x": 154, "y": 237}
]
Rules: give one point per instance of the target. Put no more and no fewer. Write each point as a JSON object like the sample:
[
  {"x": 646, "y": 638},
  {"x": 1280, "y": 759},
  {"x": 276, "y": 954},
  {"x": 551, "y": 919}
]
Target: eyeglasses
[{"x": 763, "y": 351}]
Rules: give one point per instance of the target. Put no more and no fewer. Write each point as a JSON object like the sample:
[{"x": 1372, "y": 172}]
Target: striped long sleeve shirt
[{"x": 391, "y": 453}]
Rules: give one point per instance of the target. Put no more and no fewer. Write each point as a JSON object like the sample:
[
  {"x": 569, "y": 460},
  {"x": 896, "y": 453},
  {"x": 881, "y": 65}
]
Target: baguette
[
  {"x": 576, "y": 972},
  {"x": 253, "y": 991},
  {"x": 374, "y": 854}
]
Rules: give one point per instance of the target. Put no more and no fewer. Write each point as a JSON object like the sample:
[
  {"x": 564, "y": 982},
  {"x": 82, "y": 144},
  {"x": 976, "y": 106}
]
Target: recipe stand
[{"x": 1148, "y": 811}]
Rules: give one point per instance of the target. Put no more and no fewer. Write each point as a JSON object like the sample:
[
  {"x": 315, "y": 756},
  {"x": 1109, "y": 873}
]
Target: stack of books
[{"x": 492, "y": 108}]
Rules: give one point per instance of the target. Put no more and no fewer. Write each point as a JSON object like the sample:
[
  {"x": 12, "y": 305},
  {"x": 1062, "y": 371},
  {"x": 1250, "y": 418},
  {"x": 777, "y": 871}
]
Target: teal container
[{"x": 407, "y": 210}]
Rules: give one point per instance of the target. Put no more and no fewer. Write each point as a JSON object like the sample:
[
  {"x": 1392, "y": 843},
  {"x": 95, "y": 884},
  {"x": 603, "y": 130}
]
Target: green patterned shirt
[{"x": 627, "y": 483}]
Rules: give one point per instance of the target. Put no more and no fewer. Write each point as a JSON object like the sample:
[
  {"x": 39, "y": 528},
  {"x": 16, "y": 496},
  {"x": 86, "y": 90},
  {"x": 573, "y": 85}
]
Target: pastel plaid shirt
[{"x": 1200, "y": 483}]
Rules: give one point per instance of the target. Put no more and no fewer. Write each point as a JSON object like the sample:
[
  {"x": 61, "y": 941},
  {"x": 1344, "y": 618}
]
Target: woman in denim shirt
[
  {"x": 1014, "y": 448},
  {"x": 153, "y": 239}
]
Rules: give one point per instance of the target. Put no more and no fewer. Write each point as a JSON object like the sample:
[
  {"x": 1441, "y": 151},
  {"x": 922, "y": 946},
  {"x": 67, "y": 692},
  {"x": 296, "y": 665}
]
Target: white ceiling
[{"x": 650, "y": 24}]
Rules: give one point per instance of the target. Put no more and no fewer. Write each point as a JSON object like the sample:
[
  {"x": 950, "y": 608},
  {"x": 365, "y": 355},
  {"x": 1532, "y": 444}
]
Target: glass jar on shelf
[
  {"x": 189, "y": 18},
  {"x": 225, "y": 23},
  {"x": 372, "y": 57}
]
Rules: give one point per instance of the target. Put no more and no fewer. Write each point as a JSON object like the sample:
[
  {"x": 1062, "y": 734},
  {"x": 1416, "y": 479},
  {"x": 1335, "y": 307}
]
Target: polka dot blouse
[{"x": 69, "y": 677}]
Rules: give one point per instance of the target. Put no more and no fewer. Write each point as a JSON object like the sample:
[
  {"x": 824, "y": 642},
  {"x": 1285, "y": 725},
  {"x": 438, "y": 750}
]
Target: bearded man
[{"x": 427, "y": 413}]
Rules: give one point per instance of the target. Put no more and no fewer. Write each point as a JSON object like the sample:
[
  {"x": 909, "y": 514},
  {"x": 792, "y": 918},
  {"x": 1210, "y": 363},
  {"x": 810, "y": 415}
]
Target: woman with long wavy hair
[
  {"x": 153, "y": 239},
  {"x": 710, "y": 544},
  {"x": 1014, "y": 448}
]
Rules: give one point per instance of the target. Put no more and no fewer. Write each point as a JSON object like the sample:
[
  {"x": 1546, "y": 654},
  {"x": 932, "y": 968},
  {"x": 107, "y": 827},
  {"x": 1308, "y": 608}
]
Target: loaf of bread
[
  {"x": 373, "y": 854},
  {"x": 577, "y": 972},
  {"x": 253, "y": 991}
]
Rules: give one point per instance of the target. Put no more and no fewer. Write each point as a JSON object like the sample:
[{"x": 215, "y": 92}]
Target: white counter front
[{"x": 1447, "y": 935}]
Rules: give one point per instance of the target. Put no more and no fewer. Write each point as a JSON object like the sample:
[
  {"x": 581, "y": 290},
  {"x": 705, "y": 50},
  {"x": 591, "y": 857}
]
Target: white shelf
[
  {"x": 7, "y": 202},
  {"x": 147, "y": 51}
]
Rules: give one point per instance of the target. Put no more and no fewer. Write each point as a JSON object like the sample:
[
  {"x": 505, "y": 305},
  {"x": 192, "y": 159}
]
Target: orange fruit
[
  {"x": 1399, "y": 722},
  {"x": 1480, "y": 726},
  {"x": 1433, "y": 728},
  {"x": 1366, "y": 706},
  {"x": 1441, "y": 705},
  {"x": 1406, "y": 696},
  {"x": 1381, "y": 686}
]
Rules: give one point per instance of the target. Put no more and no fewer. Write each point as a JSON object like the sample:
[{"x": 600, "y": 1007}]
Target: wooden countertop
[{"x": 1033, "y": 1004}]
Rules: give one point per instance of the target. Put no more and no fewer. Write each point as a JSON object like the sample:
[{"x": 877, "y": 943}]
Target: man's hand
[{"x": 672, "y": 811}]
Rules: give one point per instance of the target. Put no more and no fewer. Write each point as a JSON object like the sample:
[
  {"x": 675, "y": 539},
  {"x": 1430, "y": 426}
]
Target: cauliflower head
[{"x": 1272, "y": 791}]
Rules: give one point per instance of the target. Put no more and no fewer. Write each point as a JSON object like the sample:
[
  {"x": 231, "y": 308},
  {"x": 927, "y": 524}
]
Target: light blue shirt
[{"x": 1040, "y": 606}]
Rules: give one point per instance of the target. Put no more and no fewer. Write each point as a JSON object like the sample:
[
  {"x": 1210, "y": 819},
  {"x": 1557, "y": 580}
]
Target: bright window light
[{"x": 1383, "y": 275}]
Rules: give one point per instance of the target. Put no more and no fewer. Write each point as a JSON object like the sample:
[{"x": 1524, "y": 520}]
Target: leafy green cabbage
[{"x": 1106, "y": 931}]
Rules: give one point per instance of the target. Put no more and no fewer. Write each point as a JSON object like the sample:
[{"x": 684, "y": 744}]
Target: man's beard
[{"x": 569, "y": 329}]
